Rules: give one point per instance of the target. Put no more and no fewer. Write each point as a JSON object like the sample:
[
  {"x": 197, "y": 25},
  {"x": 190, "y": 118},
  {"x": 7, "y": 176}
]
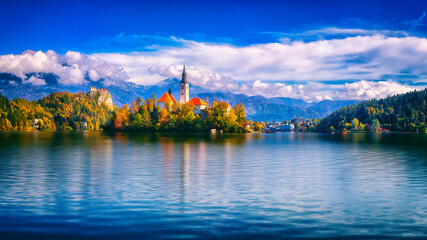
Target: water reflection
[
  {"x": 185, "y": 169},
  {"x": 84, "y": 184}
]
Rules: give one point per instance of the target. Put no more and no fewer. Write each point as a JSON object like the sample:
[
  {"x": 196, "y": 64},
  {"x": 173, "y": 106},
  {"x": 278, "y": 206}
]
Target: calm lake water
[{"x": 95, "y": 185}]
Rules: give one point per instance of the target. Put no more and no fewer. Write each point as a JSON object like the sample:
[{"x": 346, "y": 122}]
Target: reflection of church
[{"x": 184, "y": 96}]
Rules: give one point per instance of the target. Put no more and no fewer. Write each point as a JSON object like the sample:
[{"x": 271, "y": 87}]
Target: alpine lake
[{"x": 99, "y": 185}]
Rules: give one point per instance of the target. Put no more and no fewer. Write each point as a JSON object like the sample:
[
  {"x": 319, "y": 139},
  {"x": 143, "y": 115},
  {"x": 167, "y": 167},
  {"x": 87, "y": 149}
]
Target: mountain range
[{"x": 257, "y": 107}]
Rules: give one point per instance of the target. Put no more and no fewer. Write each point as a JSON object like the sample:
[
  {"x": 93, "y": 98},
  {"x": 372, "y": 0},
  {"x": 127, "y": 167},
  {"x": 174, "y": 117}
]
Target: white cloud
[
  {"x": 250, "y": 69},
  {"x": 71, "y": 68},
  {"x": 35, "y": 81},
  {"x": 352, "y": 31},
  {"x": 312, "y": 91},
  {"x": 288, "y": 69},
  {"x": 368, "y": 90},
  {"x": 361, "y": 90},
  {"x": 199, "y": 77},
  {"x": 361, "y": 57}
]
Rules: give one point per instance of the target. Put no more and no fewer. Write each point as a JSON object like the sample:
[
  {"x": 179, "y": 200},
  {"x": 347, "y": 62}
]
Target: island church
[{"x": 184, "y": 96}]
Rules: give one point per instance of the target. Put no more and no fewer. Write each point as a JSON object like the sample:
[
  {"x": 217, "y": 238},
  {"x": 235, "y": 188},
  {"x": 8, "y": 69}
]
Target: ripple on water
[{"x": 243, "y": 186}]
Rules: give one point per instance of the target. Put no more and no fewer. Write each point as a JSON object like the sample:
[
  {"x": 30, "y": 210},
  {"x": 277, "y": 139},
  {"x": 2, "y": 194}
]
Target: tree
[
  {"x": 258, "y": 126},
  {"x": 137, "y": 121},
  {"x": 122, "y": 117},
  {"x": 376, "y": 125},
  {"x": 355, "y": 123}
]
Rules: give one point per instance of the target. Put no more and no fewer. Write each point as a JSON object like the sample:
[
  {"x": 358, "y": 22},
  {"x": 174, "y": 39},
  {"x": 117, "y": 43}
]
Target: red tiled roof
[
  {"x": 167, "y": 97},
  {"x": 197, "y": 101}
]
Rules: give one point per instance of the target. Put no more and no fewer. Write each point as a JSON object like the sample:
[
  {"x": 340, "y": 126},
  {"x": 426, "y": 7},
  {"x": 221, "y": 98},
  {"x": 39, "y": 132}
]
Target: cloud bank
[
  {"x": 370, "y": 65},
  {"x": 311, "y": 91},
  {"x": 360, "y": 57},
  {"x": 73, "y": 68},
  {"x": 378, "y": 63}
]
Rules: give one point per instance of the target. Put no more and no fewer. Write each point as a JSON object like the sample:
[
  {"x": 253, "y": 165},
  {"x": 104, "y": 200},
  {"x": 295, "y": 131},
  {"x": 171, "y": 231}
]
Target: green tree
[
  {"x": 376, "y": 125},
  {"x": 355, "y": 123}
]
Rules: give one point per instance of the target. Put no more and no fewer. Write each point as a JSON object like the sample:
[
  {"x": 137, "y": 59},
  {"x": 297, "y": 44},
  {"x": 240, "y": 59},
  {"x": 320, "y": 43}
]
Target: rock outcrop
[{"x": 103, "y": 96}]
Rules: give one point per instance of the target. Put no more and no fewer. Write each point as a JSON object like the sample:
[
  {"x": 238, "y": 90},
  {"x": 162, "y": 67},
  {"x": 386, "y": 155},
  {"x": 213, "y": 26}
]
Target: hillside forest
[
  {"x": 405, "y": 113},
  {"x": 82, "y": 111}
]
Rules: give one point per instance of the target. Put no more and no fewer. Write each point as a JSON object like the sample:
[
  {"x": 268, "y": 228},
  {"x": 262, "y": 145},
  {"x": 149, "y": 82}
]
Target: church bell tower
[{"x": 184, "y": 95}]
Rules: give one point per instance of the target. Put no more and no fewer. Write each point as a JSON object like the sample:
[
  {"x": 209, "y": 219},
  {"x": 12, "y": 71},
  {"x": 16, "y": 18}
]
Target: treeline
[
  {"x": 405, "y": 112},
  {"x": 61, "y": 111},
  {"x": 147, "y": 116}
]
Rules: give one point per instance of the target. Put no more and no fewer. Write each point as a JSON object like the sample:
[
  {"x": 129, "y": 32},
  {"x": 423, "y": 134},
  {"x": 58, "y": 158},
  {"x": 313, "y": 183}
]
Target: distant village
[{"x": 299, "y": 123}]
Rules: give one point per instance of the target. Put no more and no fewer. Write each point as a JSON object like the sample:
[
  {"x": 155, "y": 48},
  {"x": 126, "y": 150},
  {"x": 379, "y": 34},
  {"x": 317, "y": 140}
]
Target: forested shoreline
[
  {"x": 83, "y": 111},
  {"x": 401, "y": 113}
]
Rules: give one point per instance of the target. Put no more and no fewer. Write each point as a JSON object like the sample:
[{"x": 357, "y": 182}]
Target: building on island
[
  {"x": 199, "y": 105},
  {"x": 184, "y": 94},
  {"x": 167, "y": 99}
]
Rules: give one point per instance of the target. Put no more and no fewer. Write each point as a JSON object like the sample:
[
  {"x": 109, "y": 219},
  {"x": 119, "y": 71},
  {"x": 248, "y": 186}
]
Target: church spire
[
  {"x": 184, "y": 76},
  {"x": 184, "y": 94}
]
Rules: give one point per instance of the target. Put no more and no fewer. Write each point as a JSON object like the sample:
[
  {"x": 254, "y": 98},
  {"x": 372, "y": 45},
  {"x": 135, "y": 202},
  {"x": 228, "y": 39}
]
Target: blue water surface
[{"x": 97, "y": 185}]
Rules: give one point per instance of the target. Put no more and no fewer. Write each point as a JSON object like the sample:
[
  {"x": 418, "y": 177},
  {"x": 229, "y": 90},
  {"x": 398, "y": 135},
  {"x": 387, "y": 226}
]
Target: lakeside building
[
  {"x": 279, "y": 127},
  {"x": 299, "y": 120},
  {"x": 287, "y": 128},
  {"x": 273, "y": 126}
]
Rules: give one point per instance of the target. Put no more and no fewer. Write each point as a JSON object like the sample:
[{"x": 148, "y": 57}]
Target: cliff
[{"x": 103, "y": 96}]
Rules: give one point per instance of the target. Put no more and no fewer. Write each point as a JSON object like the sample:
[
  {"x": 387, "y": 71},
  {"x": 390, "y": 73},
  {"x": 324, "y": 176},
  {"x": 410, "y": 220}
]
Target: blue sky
[
  {"x": 87, "y": 26},
  {"x": 313, "y": 50}
]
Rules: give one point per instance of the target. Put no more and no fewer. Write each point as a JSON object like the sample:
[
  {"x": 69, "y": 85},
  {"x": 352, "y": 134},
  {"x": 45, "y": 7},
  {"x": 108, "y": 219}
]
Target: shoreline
[{"x": 200, "y": 132}]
